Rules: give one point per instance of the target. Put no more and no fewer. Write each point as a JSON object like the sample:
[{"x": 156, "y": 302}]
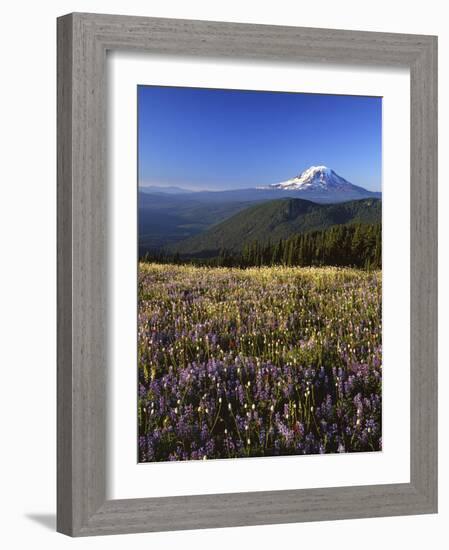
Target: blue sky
[{"x": 230, "y": 139}]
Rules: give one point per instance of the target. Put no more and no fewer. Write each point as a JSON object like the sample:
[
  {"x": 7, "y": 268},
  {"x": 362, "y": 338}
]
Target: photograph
[{"x": 259, "y": 329}]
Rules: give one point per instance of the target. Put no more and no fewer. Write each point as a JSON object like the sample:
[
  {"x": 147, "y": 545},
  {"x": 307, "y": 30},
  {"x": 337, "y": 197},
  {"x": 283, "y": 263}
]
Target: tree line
[{"x": 357, "y": 245}]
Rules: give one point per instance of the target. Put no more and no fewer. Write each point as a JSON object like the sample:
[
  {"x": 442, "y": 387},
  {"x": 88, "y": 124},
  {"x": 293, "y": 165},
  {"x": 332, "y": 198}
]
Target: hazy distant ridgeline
[{"x": 167, "y": 218}]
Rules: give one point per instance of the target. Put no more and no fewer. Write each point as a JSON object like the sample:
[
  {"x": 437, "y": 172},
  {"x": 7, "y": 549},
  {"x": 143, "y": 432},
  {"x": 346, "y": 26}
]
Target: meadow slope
[{"x": 258, "y": 362}]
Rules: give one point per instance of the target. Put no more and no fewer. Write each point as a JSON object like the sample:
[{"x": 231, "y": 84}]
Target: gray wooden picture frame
[{"x": 83, "y": 40}]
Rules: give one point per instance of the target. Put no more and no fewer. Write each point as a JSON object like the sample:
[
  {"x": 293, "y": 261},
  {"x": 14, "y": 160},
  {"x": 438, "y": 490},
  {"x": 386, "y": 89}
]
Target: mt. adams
[
  {"x": 323, "y": 184},
  {"x": 316, "y": 177}
]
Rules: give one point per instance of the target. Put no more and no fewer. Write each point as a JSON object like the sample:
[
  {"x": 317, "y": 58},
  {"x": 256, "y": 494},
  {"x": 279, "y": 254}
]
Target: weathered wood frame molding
[{"x": 83, "y": 40}]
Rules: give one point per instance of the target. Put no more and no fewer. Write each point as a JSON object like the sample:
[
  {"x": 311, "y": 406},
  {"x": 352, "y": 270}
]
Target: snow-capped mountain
[
  {"x": 322, "y": 182},
  {"x": 315, "y": 177}
]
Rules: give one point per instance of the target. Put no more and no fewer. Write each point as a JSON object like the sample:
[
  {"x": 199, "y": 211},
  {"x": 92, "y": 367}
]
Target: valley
[{"x": 202, "y": 226}]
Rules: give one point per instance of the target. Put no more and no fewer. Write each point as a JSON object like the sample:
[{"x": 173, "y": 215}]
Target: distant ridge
[
  {"x": 318, "y": 183},
  {"x": 169, "y": 190},
  {"x": 275, "y": 220}
]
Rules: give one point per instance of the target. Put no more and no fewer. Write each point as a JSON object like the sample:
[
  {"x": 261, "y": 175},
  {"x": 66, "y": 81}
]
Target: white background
[
  {"x": 130, "y": 480},
  {"x": 27, "y": 300}
]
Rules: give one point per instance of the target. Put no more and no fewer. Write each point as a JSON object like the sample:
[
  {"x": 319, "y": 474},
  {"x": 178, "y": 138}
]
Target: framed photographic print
[
  {"x": 256, "y": 335},
  {"x": 246, "y": 274}
]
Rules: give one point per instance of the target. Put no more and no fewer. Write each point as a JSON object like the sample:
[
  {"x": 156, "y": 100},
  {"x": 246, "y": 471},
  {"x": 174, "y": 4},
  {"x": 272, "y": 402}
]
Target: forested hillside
[
  {"x": 271, "y": 222},
  {"x": 357, "y": 245}
]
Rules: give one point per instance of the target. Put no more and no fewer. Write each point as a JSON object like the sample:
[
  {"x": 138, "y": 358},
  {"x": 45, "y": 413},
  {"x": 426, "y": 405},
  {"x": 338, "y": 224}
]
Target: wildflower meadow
[{"x": 256, "y": 362}]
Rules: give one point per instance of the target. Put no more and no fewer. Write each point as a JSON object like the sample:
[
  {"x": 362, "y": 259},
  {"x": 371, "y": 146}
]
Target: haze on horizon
[{"x": 200, "y": 139}]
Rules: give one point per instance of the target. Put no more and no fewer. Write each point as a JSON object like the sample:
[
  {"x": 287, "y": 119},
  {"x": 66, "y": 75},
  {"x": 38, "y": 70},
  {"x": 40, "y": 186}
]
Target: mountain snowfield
[{"x": 316, "y": 178}]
